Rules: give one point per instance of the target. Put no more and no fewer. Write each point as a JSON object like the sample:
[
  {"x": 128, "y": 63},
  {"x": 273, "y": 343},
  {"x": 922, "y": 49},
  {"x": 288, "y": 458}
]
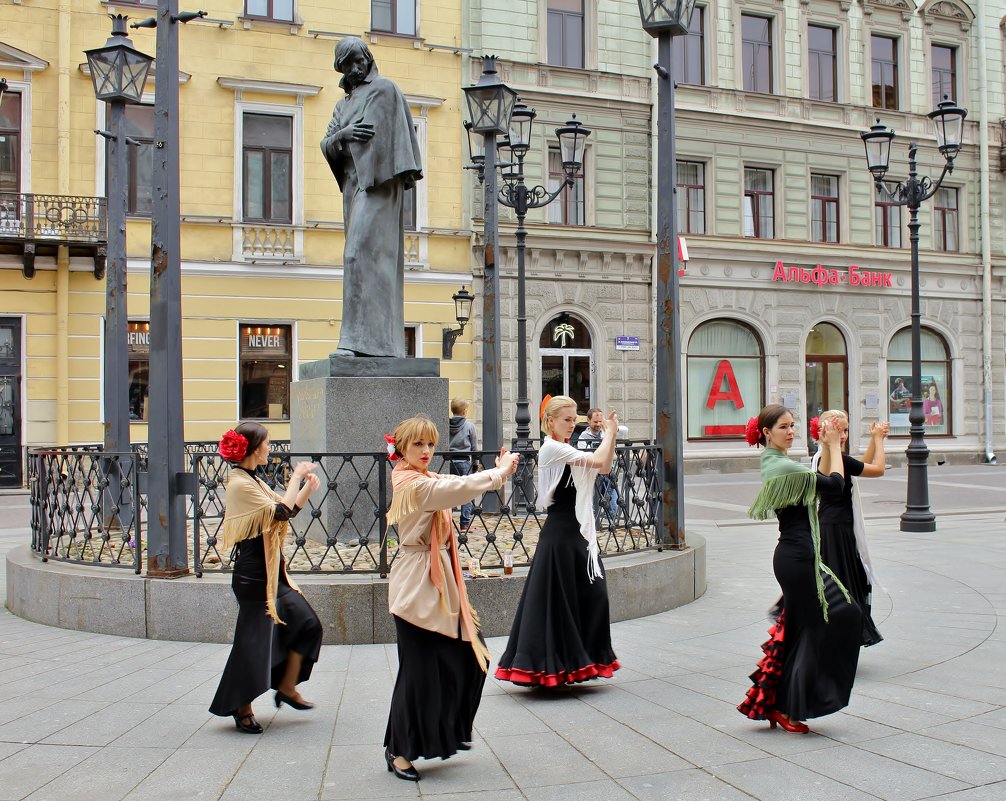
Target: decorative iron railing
[
  {"x": 62, "y": 218},
  {"x": 82, "y": 503}
]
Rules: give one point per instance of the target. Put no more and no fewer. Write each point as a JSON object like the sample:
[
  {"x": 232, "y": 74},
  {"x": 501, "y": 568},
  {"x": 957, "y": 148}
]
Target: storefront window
[
  {"x": 266, "y": 362},
  {"x": 138, "y": 350},
  {"x": 936, "y": 389},
  {"x": 726, "y": 368}
]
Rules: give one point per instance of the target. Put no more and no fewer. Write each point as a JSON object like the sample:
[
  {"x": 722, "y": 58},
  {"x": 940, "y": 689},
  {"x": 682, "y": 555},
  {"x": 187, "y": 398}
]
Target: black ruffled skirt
[
  {"x": 561, "y": 633},
  {"x": 259, "y": 654},
  {"x": 437, "y": 693}
]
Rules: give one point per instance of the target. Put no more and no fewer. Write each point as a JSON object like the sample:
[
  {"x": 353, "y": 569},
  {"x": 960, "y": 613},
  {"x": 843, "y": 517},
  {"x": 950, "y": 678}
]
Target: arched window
[
  {"x": 726, "y": 379},
  {"x": 567, "y": 360},
  {"x": 935, "y": 390}
]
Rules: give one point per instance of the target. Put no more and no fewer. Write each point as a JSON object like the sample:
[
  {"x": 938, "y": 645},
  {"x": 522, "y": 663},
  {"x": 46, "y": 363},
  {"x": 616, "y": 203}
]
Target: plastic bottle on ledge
[{"x": 508, "y": 561}]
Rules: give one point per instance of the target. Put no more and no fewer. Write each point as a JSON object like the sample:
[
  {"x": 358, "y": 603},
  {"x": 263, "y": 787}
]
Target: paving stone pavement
[{"x": 87, "y": 717}]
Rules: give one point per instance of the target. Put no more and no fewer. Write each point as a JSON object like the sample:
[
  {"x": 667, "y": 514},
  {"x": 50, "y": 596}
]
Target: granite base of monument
[{"x": 345, "y": 408}]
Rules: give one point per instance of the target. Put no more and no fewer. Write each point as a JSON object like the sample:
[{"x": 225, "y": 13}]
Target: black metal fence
[{"x": 87, "y": 507}]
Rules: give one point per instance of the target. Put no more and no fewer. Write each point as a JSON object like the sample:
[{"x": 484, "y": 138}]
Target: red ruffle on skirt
[
  {"x": 542, "y": 679},
  {"x": 765, "y": 680}
]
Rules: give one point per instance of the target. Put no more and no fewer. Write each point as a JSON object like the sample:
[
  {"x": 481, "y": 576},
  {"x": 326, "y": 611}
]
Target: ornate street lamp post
[
  {"x": 665, "y": 19},
  {"x": 463, "y": 301},
  {"x": 515, "y": 194},
  {"x": 490, "y": 104},
  {"x": 949, "y": 121},
  {"x": 119, "y": 73}
]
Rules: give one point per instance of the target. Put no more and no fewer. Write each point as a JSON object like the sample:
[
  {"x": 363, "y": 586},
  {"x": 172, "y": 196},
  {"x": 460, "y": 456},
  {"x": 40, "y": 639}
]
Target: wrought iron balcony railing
[{"x": 32, "y": 225}]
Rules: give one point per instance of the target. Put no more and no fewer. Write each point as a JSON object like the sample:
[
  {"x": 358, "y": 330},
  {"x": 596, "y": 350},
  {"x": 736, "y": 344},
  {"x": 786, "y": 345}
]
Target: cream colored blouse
[{"x": 411, "y": 594}]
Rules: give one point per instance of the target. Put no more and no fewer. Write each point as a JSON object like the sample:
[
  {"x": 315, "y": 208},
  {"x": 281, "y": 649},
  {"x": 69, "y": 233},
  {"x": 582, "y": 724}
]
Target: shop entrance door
[
  {"x": 567, "y": 361},
  {"x": 827, "y": 372},
  {"x": 10, "y": 402}
]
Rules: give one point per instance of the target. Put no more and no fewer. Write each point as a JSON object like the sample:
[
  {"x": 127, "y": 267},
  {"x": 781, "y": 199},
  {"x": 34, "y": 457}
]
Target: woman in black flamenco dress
[
  {"x": 561, "y": 633},
  {"x": 843, "y": 547},
  {"x": 813, "y": 648}
]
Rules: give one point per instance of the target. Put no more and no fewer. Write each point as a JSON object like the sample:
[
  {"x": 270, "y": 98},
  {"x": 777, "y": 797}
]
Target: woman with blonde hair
[
  {"x": 562, "y": 633},
  {"x": 442, "y": 657},
  {"x": 277, "y": 638},
  {"x": 843, "y": 531}
]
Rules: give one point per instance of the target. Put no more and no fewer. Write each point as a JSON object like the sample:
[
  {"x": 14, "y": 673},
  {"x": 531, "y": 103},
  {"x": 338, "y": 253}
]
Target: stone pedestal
[{"x": 347, "y": 405}]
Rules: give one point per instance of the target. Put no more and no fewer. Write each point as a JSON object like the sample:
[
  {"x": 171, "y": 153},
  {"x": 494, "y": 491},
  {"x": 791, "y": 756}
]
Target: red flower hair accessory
[
  {"x": 815, "y": 428},
  {"x": 392, "y": 453},
  {"x": 233, "y": 446},
  {"x": 751, "y": 432}
]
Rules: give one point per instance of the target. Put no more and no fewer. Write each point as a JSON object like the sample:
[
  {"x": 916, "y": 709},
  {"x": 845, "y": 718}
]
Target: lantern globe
[
  {"x": 118, "y": 70},
  {"x": 572, "y": 140},
  {"x": 878, "y": 149},
  {"x": 490, "y": 101},
  {"x": 949, "y": 121},
  {"x": 521, "y": 121},
  {"x": 666, "y": 16},
  {"x": 463, "y": 301}
]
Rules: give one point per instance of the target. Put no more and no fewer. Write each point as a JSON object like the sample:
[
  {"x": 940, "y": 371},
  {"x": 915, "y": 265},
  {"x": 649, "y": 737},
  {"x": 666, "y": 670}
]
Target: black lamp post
[
  {"x": 515, "y": 194},
  {"x": 462, "y": 313},
  {"x": 490, "y": 104},
  {"x": 665, "y": 19},
  {"x": 119, "y": 73},
  {"x": 949, "y": 121}
]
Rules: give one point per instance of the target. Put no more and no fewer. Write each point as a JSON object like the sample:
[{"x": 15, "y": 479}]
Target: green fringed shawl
[{"x": 786, "y": 483}]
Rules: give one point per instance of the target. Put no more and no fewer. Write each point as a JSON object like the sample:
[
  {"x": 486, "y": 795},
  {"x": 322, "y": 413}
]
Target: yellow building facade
[{"x": 261, "y": 213}]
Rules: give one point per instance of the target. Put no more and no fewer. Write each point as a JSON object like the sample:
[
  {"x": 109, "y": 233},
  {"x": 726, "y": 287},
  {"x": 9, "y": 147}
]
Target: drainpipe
[
  {"x": 63, "y": 253},
  {"x": 986, "y": 233}
]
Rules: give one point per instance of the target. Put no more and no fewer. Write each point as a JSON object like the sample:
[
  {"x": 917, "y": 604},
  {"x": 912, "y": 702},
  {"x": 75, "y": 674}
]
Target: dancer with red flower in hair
[
  {"x": 277, "y": 638},
  {"x": 843, "y": 530},
  {"x": 813, "y": 648}
]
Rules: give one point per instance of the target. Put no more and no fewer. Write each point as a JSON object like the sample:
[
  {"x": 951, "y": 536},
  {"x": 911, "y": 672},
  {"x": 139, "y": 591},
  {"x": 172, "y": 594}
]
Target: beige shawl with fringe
[{"x": 251, "y": 512}]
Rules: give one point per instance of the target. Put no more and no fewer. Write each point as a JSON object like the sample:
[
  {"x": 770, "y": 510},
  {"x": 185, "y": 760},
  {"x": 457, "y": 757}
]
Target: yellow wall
[{"x": 218, "y": 292}]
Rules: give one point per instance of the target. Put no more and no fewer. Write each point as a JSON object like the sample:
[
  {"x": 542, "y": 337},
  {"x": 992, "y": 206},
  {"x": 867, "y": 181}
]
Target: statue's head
[{"x": 354, "y": 60}]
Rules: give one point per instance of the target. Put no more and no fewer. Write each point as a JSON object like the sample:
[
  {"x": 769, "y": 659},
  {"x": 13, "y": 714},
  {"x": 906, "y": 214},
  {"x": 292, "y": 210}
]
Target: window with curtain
[
  {"x": 10, "y": 142},
  {"x": 946, "y": 231},
  {"x": 393, "y": 16},
  {"x": 267, "y": 160},
  {"x": 566, "y": 33},
  {"x": 568, "y": 208},
  {"x": 937, "y": 393},
  {"x": 884, "y": 63},
  {"x": 725, "y": 379},
  {"x": 759, "y": 203},
  {"x": 689, "y": 52},
  {"x": 756, "y": 59},
  {"x": 824, "y": 208},
  {"x": 887, "y": 222},
  {"x": 691, "y": 197},
  {"x": 944, "y": 73},
  {"x": 279, "y": 10},
  {"x": 822, "y": 49}
]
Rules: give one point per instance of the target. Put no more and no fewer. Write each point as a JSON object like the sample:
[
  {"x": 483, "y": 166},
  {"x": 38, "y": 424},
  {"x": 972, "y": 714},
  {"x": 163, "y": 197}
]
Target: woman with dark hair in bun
[
  {"x": 277, "y": 638},
  {"x": 813, "y": 647}
]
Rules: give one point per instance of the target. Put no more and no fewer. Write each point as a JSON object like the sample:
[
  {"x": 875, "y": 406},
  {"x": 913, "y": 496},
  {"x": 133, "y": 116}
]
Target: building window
[
  {"x": 266, "y": 360},
  {"x": 944, "y": 74},
  {"x": 884, "y": 53},
  {"x": 935, "y": 390},
  {"x": 757, "y": 53},
  {"x": 139, "y": 160},
  {"x": 691, "y": 197},
  {"x": 267, "y": 152},
  {"x": 280, "y": 10},
  {"x": 138, "y": 350},
  {"x": 887, "y": 222},
  {"x": 759, "y": 203},
  {"x": 565, "y": 33},
  {"x": 946, "y": 228},
  {"x": 689, "y": 52},
  {"x": 10, "y": 143},
  {"x": 823, "y": 51},
  {"x": 726, "y": 370},
  {"x": 393, "y": 16},
  {"x": 824, "y": 208},
  {"x": 568, "y": 208},
  {"x": 411, "y": 337}
]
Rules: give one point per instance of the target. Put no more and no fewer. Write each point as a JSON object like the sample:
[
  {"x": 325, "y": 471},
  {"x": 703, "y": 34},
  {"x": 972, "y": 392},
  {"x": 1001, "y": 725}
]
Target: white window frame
[
  {"x": 590, "y": 42},
  {"x": 776, "y": 40},
  {"x": 842, "y": 51},
  {"x": 294, "y": 364},
  {"x": 24, "y": 89}
]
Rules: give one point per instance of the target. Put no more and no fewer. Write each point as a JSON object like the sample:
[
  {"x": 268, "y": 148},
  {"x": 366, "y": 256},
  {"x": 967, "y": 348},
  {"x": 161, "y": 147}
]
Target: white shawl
[
  {"x": 858, "y": 527},
  {"x": 553, "y": 456}
]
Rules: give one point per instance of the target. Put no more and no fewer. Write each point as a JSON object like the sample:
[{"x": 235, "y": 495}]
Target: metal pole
[
  {"x": 917, "y": 516},
  {"x": 668, "y": 385},
  {"x": 116, "y": 369},
  {"x": 522, "y": 417},
  {"x": 492, "y": 379},
  {"x": 167, "y": 553}
]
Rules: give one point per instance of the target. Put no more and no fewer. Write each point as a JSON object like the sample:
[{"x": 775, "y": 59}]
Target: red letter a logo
[{"x": 732, "y": 392}]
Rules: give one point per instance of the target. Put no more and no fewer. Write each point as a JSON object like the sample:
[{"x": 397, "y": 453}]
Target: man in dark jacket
[{"x": 463, "y": 439}]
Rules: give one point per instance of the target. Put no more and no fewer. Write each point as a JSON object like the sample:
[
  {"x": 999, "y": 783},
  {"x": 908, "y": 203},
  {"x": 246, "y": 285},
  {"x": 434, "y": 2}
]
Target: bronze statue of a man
[{"x": 372, "y": 149}]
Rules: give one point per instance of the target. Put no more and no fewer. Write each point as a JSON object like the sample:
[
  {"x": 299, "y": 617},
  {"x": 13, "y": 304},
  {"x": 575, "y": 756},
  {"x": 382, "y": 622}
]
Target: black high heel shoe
[
  {"x": 409, "y": 774},
  {"x": 247, "y": 724},
  {"x": 282, "y": 698}
]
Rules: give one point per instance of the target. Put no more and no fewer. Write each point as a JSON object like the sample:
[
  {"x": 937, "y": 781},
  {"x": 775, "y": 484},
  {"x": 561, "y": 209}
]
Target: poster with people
[{"x": 900, "y": 402}]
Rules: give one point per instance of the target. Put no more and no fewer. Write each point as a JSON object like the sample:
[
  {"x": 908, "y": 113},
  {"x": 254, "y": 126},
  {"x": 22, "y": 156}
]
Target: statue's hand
[{"x": 358, "y": 131}]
